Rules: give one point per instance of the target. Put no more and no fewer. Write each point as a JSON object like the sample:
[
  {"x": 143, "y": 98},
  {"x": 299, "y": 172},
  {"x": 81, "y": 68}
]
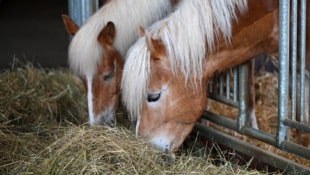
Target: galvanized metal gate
[
  {"x": 81, "y": 10},
  {"x": 287, "y": 112},
  {"x": 233, "y": 90}
]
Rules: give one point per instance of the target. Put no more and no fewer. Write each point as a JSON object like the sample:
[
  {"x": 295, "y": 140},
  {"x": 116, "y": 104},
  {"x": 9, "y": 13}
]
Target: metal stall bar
[
  {"x": 243, "y": 96},
  {"x": 285, "y": 119},
  {"x": 217, "y": 85},
  {"x": 251, "y": 150},
  {"x": 81, "y": 10},
  {"x": 284, "y": 12},
  {"x": 228, "y": 85},
  {"x": 236, "y": 78},
  {"x": 294, "y": 57},
  {"x": 299, "y": 94},
  {"x": 302, "y": 58}
]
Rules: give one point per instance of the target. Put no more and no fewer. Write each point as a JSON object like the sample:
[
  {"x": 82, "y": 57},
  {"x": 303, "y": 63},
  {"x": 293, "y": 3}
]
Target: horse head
[
  {"x": 170, "y": 104},
  {"x": 166, "y": 105},
  {"x": 103, "y": 86}
]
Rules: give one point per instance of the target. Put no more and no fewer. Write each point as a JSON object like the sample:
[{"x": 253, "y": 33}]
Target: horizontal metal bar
[
  {"x": 232, "y": 124},
  {"x": 270, "y": 158},
  {"x": 224, "y": 100},
  {"x": 259, "y": 135},
  {"x": 296, "y": 125},
  {"x": 220, "y": 120},
  {"x": 296, "y": 149}
]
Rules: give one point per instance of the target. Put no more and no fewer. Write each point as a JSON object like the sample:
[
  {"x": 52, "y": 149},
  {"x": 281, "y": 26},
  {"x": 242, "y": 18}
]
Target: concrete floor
[{"x": 32, "y": 30}]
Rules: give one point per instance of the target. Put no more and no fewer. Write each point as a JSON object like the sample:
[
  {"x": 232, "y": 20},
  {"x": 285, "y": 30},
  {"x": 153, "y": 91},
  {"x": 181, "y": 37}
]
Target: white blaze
[{"x": 90, "y": 100}]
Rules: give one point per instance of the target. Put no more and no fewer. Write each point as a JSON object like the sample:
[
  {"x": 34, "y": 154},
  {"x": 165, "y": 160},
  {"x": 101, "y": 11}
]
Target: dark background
[{"x": 32, "y": 30}]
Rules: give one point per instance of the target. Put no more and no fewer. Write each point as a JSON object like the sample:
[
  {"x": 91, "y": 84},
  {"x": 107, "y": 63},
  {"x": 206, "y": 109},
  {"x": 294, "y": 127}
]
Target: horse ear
[
  {"x": 71, "y": 27},
  {"x": 141, "y": 31},
  {"x": 155, "y": 47},
  {"x": 107, "y": 34}
]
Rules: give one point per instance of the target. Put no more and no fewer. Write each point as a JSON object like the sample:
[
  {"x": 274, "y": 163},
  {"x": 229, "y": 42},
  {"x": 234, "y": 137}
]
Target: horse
[
  {"x": 167, "y": 70},
  {"x": 97, "y": 50}
]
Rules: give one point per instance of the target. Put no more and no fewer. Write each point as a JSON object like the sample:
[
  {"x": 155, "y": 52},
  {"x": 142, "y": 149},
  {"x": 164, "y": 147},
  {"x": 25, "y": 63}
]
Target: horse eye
[
  {"x": 108, "y": 76},
  {"x": 153, "y": 97}
]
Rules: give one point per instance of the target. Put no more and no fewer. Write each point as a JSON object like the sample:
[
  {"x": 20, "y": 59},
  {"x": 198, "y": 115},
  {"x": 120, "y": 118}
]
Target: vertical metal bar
[
  {"x": 302, "y": 45},
  {"x": 228, "y": 84},
  {"x": 235, "y": 83},
  {"x": 211, "y": 86},
  {"x": 221, "y": 84},
  {"x": 215, "y": 85},
  {"x": 243, "y": 95},
  {"x": 284, "y": 11},
  {"x": 294, "y": 58},
  {"x": 81, "y": 10}
]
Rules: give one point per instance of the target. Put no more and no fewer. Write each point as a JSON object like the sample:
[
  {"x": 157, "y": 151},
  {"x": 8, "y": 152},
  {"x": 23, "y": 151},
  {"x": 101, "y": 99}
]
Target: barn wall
[{"x": 33, "y": 30}]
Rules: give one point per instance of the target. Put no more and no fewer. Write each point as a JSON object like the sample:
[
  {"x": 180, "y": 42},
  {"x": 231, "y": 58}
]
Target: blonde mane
[
  {"x": 185, "y": 34},
  {"x": 85, "y": 52}
]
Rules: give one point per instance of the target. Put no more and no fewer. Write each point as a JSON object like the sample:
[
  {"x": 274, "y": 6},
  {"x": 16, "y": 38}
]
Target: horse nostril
[
  {"x": 166, "y": 151},
  {"x": 110, "y": 121},
  {"x": 153, "y": 96}
]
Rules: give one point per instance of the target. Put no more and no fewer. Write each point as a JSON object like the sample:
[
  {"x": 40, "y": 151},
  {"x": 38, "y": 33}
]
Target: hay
[
  {"x": 42, "y": 132},
  {"x": 103, "y": 149},
  {"x": 35, "y": 106}
]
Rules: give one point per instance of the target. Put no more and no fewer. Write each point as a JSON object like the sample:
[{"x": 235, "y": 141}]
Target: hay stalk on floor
[
  {"x": 42, "y": 132},
  {"x": 104, "y": 149},
  {"x": 35, "y": 106}
]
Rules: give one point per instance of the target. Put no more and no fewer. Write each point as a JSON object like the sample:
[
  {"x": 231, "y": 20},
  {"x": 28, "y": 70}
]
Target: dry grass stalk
[{"x": 41, "y": 132}]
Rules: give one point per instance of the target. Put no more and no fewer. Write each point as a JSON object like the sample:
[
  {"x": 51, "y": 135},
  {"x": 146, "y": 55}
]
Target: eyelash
[
  {"x": 153, "y": 97},
  {"x": 109, "y": 76}
]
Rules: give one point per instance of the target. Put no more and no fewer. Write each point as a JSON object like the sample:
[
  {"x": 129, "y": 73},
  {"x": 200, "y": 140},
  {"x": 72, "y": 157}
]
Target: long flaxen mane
[
  {"x": 85, "y": 52},
  {"x": 185, "y": 34}
]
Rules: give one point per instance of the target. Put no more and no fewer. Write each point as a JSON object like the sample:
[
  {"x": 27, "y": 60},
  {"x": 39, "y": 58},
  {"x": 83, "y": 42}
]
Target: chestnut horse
[
  {"x": 98, "y": 48},
  {"x": 166, "y": 72}
]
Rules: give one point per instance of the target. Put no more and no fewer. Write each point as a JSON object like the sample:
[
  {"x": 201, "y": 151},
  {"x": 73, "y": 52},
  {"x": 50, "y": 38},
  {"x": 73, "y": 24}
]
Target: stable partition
[{"x": 231, "y": 88}]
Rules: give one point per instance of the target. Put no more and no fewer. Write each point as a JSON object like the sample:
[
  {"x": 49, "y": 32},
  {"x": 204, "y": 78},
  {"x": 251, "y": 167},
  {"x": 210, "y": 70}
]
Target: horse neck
[
  {"x": 254, "y": 34},
  {"x": 256, "y": 10}
]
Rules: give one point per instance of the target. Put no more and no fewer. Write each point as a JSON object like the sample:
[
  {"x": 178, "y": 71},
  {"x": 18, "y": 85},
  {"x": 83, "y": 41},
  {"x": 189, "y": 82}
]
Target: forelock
[{"x": 135, "y": 78}]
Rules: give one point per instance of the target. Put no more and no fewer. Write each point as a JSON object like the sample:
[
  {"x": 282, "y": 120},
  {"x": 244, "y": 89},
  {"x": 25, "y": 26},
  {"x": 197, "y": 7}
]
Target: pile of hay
[
  {"x": 103, "y": 149},
  {"x": 42, "y": 131},
  {"x": 35, "y": 107}
]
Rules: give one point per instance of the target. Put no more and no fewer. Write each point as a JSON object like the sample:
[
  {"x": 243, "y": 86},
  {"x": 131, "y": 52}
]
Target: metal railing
[
  {"x": 81, "y": 10},
  {"x": 290, "y": 115}
]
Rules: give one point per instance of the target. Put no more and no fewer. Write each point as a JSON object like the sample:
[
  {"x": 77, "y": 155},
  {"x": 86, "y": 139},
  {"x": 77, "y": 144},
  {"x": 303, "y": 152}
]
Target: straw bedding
[{"x": 43, "y": 130}]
